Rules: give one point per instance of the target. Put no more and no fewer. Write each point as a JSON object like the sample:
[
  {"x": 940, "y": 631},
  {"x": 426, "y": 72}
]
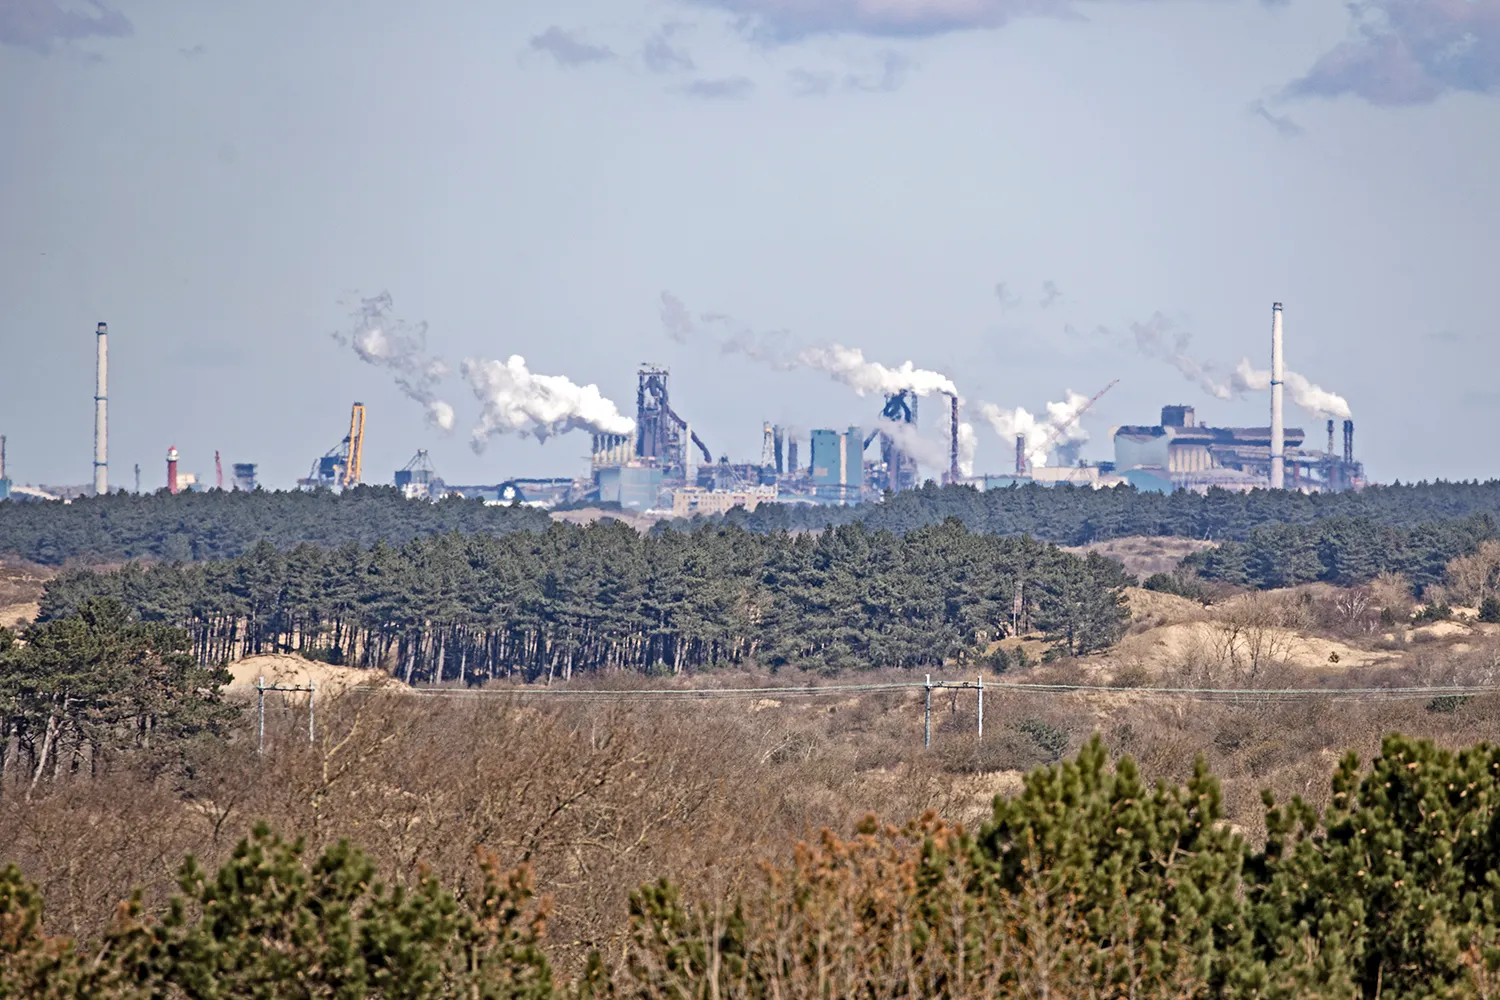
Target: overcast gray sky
[{"x": 222, "y": 183}]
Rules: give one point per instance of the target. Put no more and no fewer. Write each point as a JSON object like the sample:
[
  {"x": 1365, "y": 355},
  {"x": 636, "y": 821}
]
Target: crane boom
[
  {"x": 1057, "y": 431},
  {"x": 356, "y": 439}
]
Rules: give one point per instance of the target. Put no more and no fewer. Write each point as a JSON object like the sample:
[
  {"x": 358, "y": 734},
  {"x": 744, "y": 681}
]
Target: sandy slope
[{"x": 282, "y": 668}]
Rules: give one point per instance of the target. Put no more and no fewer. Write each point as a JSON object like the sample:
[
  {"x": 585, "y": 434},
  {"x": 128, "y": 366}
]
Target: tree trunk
[{"x": 48, "y": 742}]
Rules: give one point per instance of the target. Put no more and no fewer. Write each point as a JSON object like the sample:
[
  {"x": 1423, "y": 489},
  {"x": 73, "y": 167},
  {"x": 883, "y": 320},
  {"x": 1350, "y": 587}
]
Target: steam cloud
[
  {"x": 926, "y": 451},
  {"x": 386, "y": 342},
  {"x": 1313, "y": 398},
  {"x": 848, "y": 365},
  {"x": 845, "y": 364},
  {"x": 1161, "y": 339},
  {"x": 519, "y": 401},
  {"x": 1059, "y": 421},
  {"x": 968, "y": 444}
]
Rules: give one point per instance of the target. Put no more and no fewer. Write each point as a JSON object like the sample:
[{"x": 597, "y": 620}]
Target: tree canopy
[
  {"x": 528, "y": 604},
  {"x": 222, "y": 525}
]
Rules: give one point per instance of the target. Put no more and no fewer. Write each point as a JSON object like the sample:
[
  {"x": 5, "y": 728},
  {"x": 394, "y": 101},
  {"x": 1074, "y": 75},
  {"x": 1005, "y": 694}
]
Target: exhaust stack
[
  {"x": 1349, "y": 442},
  {"x": 172, "y": 469},
  {"x": 953, "y": 440},
  {"x": 1020, "y": 454},
  {"x": 101, "y": 411},
  {"x": 1278, "y": 431}
]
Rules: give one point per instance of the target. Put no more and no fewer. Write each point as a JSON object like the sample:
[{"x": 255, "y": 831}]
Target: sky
[{"x": 1027, "y": 196}]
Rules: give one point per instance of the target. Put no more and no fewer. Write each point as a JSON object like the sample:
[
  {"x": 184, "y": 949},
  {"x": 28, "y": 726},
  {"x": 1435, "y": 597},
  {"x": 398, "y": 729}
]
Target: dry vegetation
[
  {"x": 601, "y": 795},
  {"x": 21, "y": 586},
  {"x": 1144, "y": 555}
]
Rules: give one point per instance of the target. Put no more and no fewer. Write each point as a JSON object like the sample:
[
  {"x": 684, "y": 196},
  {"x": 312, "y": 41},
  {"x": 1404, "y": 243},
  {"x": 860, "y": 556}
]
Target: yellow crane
[
  {"x": 343, "y": 466},
  {"x": 355, "y": 446}
]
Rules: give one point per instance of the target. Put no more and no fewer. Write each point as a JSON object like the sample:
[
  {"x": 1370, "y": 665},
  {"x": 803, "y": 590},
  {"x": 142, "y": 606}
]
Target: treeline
[
  {"x": 1088, "y": 883},
  {"x": 86, "y": 688},
  {"x": 1069, "y": 515},
  {"x": 1343, "y": 551},
  {"x": 222, "y": 525},
  {"x": 571, "y": 598}
]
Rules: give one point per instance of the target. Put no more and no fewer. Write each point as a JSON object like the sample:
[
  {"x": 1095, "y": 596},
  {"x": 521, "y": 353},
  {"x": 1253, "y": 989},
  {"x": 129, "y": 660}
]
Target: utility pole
[
  {"x": 981, "y": 706},
  {"x": 929, "y": 685},
  {"x": 261, "y": 687},
  {"x": 927, "y": 715}
]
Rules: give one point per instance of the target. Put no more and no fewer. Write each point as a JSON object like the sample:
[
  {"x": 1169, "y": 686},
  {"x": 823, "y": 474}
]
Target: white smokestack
[
  {"x": 101, "y": 412},
  {"x": 1278, "y": 440}
]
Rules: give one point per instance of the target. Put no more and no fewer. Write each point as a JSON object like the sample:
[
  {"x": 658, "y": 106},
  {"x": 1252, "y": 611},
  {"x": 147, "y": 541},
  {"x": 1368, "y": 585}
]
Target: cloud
[
  {"x": 777, "y": 21},
  {"x": 661, "y": 56},
  {"x": 1410, "y": 52},
  {"x": 1281, "y": 123},
  {"x": 39, "y": 24},
  {"x": 890, "y": 75},
  {"x": 1444, "y": 337},
  {"x": 568, "y": 49},
  {"x": 886, "y": 77},
  {"x": 809, "y": 83},
  {"x": 727, "y": 88},
  {"x": 1007, "y": 299},
  {"x": 1050, "y": 293}
]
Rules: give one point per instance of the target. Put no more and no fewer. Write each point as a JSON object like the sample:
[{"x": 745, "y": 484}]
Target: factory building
[
  {"x": 636, "y": 485},
  {"x": 838, "y": 465},
  {"x": 692, "y": 500},
  {"x": 244, "y": 476},
  {"x": 418, "y": 480},
  {"x": 1181, "y": 454}
]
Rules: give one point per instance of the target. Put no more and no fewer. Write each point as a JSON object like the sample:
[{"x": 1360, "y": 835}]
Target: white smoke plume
[
  {"x": 519, "y": 401},
  {"x": 848, "y": 365},
  {"x": 907, "y": 438},
  {"x": 845, "y": 364},
  {"x": 1161, "y": 338},
  {"x": 968, "y": 444},
  {"x": 382, "y": 340},
  {"x": 1060, "y": 421},
  {"x": 1313, "y": 398}
]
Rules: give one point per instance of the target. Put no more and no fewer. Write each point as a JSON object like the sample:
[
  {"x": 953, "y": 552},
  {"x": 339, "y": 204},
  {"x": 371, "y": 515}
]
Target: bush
[
  {"x": 1434, "y": 612},
  {"x": 1489, "y": 609},
  {"x": 1189, "y": 587}
]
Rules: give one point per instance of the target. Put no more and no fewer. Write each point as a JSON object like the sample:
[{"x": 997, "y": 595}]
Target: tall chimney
[
  {"x": 172, "y": 469},
  {"x": 101, "y": 411},
  {"x": 791, "y": 455},
  {"x": 953, "y": 443},
  {"x": 1330, "y": 436},
  {"x": 1020, "y": 454},
  {"x": 2, "y": 456},
  {"x": 1349, "y": 441},
  {"x": 1278, "y": 438}
]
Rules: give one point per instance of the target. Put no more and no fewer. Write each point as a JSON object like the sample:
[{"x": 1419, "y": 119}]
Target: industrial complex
[{"x": 665, "y": 465}]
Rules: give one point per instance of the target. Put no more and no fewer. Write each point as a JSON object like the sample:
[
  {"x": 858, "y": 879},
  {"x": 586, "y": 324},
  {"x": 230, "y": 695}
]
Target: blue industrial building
[{"x": 838, "y": 464}]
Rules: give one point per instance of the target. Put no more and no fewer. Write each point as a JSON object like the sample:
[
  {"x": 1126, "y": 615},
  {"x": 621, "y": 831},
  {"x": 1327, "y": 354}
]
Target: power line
[{"x": 810, "y": 691}]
